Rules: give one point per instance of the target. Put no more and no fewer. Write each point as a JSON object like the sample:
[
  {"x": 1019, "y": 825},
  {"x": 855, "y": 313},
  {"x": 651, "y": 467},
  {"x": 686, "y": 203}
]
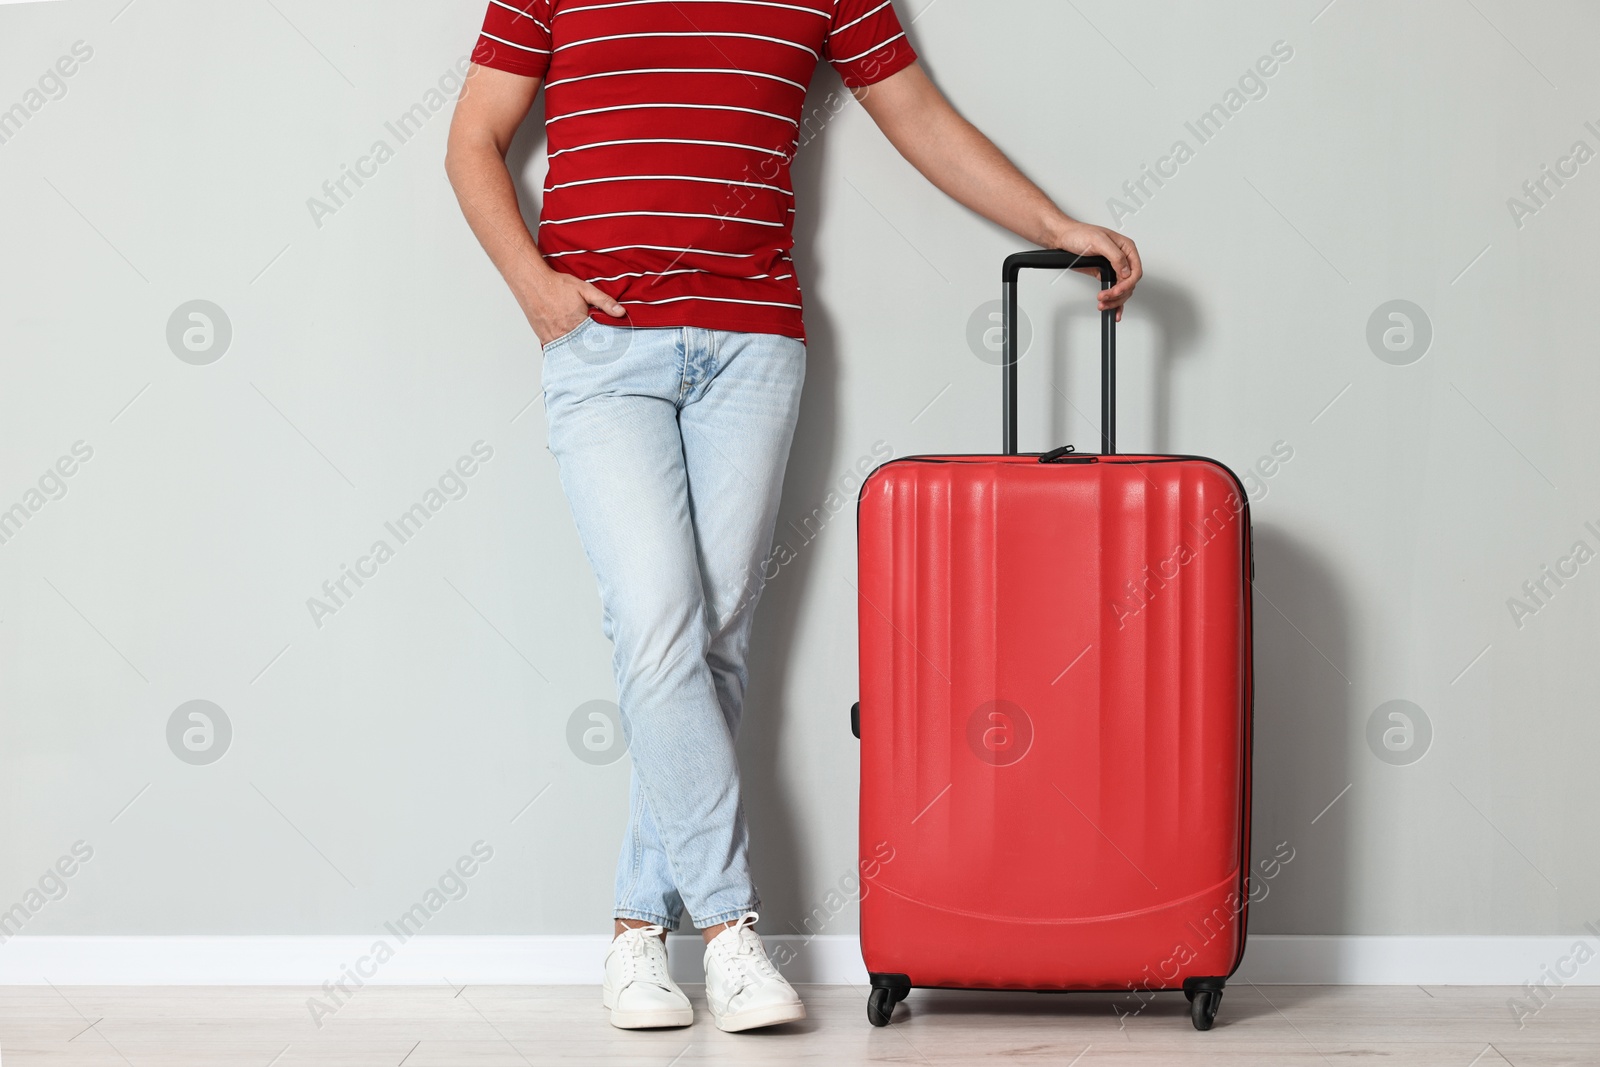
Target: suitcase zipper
[{"x": 1064, "y": 455}]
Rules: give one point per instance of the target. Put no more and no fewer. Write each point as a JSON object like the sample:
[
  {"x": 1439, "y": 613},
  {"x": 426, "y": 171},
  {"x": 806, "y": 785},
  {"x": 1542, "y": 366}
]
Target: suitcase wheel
[
  {"x": 880, "y": 1005},
  {"x": 887, "y": 991},
  {"x": 1203, "y": 1006}
]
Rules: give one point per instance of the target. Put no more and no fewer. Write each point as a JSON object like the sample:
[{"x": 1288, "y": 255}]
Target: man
[{"x": 663, "y": 291}]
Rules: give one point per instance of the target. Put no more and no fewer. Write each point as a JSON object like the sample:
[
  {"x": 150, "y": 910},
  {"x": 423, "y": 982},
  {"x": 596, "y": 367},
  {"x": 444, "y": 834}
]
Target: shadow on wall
[
  {"x": 1176, "y": 318},
  {"x": 1305, "y": 705},
  {"x": 529, "y": 142},
  {"x": 776, "y": 853},
  {"x": 1304, "y": 702}
]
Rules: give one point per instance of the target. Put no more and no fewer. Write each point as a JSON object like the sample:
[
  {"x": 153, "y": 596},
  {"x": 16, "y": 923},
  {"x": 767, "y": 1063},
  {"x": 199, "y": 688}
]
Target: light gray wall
[{"x": 370, "y": 352}]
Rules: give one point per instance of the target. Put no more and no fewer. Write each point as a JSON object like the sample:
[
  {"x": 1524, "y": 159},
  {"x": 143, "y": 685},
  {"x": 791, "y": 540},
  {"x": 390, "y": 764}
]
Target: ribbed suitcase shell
[{"x": 1095, "y": 835}]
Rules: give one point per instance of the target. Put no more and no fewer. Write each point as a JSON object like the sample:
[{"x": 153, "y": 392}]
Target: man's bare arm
[
  {"x": 956, "y": 157},
  {"x": 492, "y": 106}
]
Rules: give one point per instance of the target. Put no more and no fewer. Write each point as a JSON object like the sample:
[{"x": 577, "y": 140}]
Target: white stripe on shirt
[
  {"x": 669, "y": 140},
  {"x": 692, "y": 107},
  {"x": 513, "y": 44},
  {"x": 519, "y": 11},
  {"x": 869, "y": 51},
  {"x": 647, "y": 274},
  {"x": 644, "y": 36},
  {"x": 655, "y": 215},
  {"x": 687, "y": 270},
  {"x": 649, "y": 248},
  {"x": 718, "y": 299},
  {"x": 667, "y": 178},
  {"x": 863, "y": 18},
  {"x": 676, "y": 70},
  {"x": 637, "y": 3}
]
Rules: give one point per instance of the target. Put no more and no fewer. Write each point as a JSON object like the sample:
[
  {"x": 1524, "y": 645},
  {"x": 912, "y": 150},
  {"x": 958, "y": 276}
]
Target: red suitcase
[{"x": 1055, "y": 715}]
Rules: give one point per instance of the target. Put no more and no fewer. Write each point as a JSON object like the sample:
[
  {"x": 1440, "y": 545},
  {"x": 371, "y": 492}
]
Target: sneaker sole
[
  {"x": 774, "y": 1016},
  {"x": 658, "y": 1019}
]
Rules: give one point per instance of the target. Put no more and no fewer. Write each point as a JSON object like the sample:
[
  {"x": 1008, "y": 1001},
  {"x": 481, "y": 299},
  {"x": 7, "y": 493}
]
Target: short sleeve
[
  {"x": 515, "y": 37},
  {"x": 866, "y": 42}
]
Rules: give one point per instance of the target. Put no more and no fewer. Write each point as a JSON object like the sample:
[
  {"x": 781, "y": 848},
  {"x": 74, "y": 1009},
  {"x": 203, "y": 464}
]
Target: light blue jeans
[{"x": 672, "y": 445}]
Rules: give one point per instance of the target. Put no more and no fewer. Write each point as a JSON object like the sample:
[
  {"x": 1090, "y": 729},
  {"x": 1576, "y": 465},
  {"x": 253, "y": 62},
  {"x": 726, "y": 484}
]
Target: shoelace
[
  {"x": 638, "y": 957},
  {"x": 744, "y": 951}
]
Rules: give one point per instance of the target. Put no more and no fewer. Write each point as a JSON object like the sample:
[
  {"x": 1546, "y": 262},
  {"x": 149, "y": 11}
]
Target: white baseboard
[
  {"x": 1291, "y": 959},
  {"x": 1274, "y": 959},
  {"x": 421, "y": 960}
]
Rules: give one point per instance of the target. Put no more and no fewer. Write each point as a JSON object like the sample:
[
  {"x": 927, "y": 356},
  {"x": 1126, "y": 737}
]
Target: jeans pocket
[{"x": 569, "y": 335}]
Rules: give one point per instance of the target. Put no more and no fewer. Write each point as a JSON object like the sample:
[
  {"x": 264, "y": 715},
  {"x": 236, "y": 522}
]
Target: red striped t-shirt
[{"x": 671, "y": 128}]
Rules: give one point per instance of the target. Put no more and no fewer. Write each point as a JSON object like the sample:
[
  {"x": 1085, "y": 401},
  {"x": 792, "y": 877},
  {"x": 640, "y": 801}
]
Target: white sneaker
[
  {"x": 638, "y": 990},
  {"x": 743, "y": 989}
]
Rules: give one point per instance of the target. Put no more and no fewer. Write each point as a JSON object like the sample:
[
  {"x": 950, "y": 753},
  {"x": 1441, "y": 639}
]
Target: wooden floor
[{"x": 1280, "y": 1026}]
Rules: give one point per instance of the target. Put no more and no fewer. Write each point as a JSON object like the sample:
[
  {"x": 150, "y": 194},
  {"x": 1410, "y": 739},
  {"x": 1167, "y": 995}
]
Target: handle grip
[{"x": 1056, "y": 260}]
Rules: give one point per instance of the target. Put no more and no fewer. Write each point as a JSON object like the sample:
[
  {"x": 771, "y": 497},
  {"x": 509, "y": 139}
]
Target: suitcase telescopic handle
[{"x": 1056, "y": 260}]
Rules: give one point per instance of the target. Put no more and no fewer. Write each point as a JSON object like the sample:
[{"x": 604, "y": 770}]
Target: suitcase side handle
[{"x": 1051, "y": 259}]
